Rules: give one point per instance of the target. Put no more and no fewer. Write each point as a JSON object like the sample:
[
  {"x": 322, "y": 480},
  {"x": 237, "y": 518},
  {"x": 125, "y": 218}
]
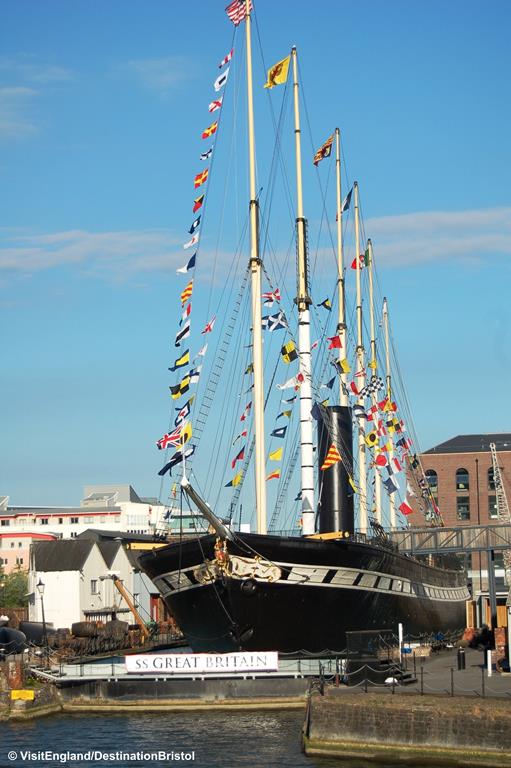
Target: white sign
[{"x": 202, "y": 663}]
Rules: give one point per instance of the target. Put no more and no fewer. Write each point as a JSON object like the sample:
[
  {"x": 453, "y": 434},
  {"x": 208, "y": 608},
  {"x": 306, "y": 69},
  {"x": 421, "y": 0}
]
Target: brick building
[{"x": 460, "y": 475}]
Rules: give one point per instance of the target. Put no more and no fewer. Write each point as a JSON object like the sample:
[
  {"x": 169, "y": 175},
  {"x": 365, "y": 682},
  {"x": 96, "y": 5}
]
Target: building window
[
  {"x": 20, "y": 544},
  {"x": 74, "y": 521},
  {"x": 93, "y": 586},
  {"x": 5, "y": 522},
  {"x": 19, "y": 561},
  {"x": 491, "y": 480},
  {"x": 463, "y": 508},
  {"x": 492, "y": 507},
  {"x": 136, "y": 600},
  {"x": 61, "y": 520},
  {"x": 88, "y": 520},
  {"x": 73, "y": 534},
  {"x": 432, "y": 478},
  {"x": 498, "y": 560},
  {"x": 12, "y": 544},
  {"x": 462, "y": 483},
  {"x": 43, "y": 520}
]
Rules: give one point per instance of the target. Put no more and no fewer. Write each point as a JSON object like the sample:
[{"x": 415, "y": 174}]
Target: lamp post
[{"x": 40, "y": 588}]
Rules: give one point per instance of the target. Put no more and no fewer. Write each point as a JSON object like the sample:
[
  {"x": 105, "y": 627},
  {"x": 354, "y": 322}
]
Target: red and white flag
[
  {"x": 226, "y": 59},
  {"x": 174, "y": 438},
  {"x": 237, "y": 10},
  {"x": 405, "y": 508},
  {"x": 216, "y": 104},
  {"x": 270, "y": 296},
  {"x": 209, "y": 326}
]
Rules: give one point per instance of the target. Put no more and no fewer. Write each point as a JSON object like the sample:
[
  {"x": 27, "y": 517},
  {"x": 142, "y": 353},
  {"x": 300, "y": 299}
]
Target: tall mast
[
  {"x": 304, "y": 345},
  {"x": 388, "y": 389},
  {"x": 255, "y": 272},
  {"x": 341, "y": 318},
  {"x": 361, "y": 379},
  {"x": 373, "y": 365}
]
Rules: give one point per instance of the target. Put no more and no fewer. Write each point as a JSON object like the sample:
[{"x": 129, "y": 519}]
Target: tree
[{"x": 13, "y": 589}]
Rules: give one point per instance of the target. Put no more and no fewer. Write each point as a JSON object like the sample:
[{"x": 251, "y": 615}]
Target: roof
[
  {"x": 57, "y": 511},
  {"x": 474, "y": 443},
  {"x": 60, "y": 555},
  {"x": 109, "y": 549},
  {"x": 133, "y": 556},
  {"x": 96, "y": 534},
  {"x": 123, "y": 492}
]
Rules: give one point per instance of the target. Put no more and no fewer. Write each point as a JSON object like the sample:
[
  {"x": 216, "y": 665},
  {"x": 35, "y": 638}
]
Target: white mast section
[
  {"x": 255, "y": 272},
  {"x": 361, "y": 379},
  {"x": 304, "y": 344},
  {"x": 373, "y": 365},
  {"x": 388, "y": 381},
  {"x": 341, "y": 318}
]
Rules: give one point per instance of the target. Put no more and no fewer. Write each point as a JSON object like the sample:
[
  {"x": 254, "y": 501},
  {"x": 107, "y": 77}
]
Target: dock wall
[{"x": 454, "y": 731}]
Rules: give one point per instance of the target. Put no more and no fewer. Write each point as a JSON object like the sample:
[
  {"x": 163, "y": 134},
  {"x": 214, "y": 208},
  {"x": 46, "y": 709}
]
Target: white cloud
[
  {"x": 161, "y": 75},
  {"x": 415, "y": 238},
  {"x": 27, "y": 68},
  {"x": 15, "y": 119}
]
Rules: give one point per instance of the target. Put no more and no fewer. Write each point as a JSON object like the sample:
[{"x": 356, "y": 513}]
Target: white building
[
  {"x": 77, "y": 582},
  {"x": 105, "y": 507}
]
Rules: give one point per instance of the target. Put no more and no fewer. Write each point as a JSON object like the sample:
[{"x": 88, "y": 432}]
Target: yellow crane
[{"x": 131, "y": 605}]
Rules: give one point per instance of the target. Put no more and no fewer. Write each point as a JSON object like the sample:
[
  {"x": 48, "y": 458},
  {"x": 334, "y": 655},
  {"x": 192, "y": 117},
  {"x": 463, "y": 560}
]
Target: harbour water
[{"x": 201, "y": 739}]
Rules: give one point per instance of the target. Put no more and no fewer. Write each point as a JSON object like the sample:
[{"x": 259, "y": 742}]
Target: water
[{"x": 218, "y": 740}]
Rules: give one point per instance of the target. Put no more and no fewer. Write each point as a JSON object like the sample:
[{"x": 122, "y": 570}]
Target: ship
[{"x": 234, "y": 590}]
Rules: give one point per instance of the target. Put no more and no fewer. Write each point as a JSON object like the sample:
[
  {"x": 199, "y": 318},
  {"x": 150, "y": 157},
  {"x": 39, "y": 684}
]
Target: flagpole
[
  {"x": 255, "y": 272},
  {"x": 373, "y": 365},
  {"x": 362, "y": 479},
  {"x": 304, "y": 345},
  {"x": 388, "y": 389},
  {"x": 341, "y": 319}
]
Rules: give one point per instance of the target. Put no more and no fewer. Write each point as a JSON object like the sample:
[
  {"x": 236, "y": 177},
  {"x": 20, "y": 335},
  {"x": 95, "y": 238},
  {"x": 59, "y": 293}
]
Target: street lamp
[{"x": 40, "y": 588}]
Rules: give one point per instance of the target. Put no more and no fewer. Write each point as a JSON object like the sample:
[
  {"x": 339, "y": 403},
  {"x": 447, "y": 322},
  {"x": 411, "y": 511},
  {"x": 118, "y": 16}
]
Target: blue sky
[{"x": 101, "y": 109}]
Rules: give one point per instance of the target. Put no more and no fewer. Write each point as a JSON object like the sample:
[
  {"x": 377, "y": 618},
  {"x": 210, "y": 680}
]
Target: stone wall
[{"x": 412, "y": 723}]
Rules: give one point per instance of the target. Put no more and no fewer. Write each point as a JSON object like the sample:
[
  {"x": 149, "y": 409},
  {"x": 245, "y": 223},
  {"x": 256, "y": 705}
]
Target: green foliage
[{"x": 13, "y": 589}]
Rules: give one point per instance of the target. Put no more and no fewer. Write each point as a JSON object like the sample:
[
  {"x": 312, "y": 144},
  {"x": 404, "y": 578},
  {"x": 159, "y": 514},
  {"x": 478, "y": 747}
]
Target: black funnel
[{"x": 336, "y": 509}]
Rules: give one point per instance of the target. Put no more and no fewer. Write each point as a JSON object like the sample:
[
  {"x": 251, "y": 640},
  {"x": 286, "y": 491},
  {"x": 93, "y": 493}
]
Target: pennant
[
  {"x": 209, "y": 326},
  {"x": 290, "y": 399},
  {"x": 359, "y": 411},
  {"x": 174, "y": 438},
  {"x": 187, "y": 293},
  {"x": 373, "y": 386},
  {"x": 183, "y": 334},
  {"x": 329, "y": 384},
  {"x": 215, "y": 104},
  {"x": 193, "y": 241},
  {"x": 181, "y": 388},
  {"x": 210, "y": 130},
  {"x": 274, "y": 475},
  {"x": 274, "y": 322},
  {"x": 181, "y": 361},
  {"x": 195, "y": 225},
  {"x": 188, "y": 266},
  {"x": 197, "y": 203},
  {"x": 324, "y": 150},
  {"x": 387, "y": 405},
  {"x": 326, "y": 304},
  {"x": 331, "y": 458},
  {"x": 239, "y": 457},
  {"x": 316, "y": 412},
  {"x": 237, "y": 10},
  {"x": 391, "y": 485},
  {"x": 241, "y": 434},
  {"x": 200, "y": 179},
  {"x": 236, "y": 480},
  {"x": 276, "y": 455},
  {"x": 270, "y": 296},
  {"x": 363, "y": 260},
  {"x": 405, "y": 508},
  {"x": 279, "y": 432},
  {"x": 176, "y": 459},
  {"x": 220, "y": 82},
  {"x": 226, "y": 59},
  {"x": 393, "y": 425},
  {"x": 404, "y": 442},
  {"x": 184, "y": 412},
  {"x": 277, "y": 75},
  {"x": 246, "y": 411},
  {"x": 249, "y": 368},
  {"x": 372, "y": 364},
  {"x": 298, "y": 496},
  {"x": 344, "y": 365},
  {"x": 352, "y": 483},
  {"x": 186, "y": 313},
  {"x": 381, "y": 460},
  {"x": 288, "y": 352},
  {"x": 346, "y": 202},
  {"x": 186, "y": 432},
  {"x": 294, "y": 382},
  {"x": 314, "y": 344},
  {"x": 335, "y": 342},
  {"x": 354, "y": 388},
  {"x": 287, "y": 414},
  {"x": 194, "y": 374},
  {"x": 371, "y": 439},
  {"x": 397, "y": 464},
  {"x": 206, "y": 155},
  {"x": 173, "y": 490}
]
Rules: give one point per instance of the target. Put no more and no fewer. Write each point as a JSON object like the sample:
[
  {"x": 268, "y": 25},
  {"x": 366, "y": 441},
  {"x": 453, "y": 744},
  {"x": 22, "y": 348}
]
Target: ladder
[{"x": 502, "y": 507}]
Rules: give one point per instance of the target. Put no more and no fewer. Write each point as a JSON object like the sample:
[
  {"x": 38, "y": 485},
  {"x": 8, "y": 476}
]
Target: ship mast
[
  {"x": 362, "y": 480},
  {"x": 373, "y": 365},
  {"x": 304, "y": 346},
  {"x": 388, "y": 389},
  {"x": 341, "y": 318},
  {"x": 255, "y": 273}
]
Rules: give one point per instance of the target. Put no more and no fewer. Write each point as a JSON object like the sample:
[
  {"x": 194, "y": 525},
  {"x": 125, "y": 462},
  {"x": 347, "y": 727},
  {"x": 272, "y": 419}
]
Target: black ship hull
[{"x": 297, "y": 594}]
